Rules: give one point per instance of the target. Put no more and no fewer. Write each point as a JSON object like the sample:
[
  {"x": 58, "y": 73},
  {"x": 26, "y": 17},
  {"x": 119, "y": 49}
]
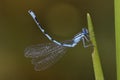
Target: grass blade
[
  {"x": 95, "y": 56},
  {"x": 117, "y": 35}
]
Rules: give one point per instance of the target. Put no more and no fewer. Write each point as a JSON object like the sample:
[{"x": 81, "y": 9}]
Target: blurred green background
[{"x": 62, "y": 19}]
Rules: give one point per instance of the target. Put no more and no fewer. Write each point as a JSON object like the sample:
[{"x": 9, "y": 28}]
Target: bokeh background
[{"x": 62, "y": 19}]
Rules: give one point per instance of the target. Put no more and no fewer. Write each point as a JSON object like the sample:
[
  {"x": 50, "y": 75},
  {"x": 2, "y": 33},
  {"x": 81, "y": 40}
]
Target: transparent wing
[
  {"x": 54, "y": 55},
  {"x": 45, "y": 55}
]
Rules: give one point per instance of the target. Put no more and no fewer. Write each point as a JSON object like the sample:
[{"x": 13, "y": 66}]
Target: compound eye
[{"x": 85, "y": 31}]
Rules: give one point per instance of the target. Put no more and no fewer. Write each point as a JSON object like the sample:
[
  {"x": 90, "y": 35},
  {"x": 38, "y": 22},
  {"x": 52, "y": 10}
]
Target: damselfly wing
[{"x": 45, "y": 55}]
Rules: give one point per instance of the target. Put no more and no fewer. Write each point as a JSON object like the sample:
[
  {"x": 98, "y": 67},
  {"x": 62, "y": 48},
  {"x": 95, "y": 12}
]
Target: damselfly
[{"x": 45, "y": 55}]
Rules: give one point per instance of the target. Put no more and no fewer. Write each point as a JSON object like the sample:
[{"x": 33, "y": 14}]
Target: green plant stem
[
  {"x": 117, "y": 35},
  {"x": 95, "y": 56}
]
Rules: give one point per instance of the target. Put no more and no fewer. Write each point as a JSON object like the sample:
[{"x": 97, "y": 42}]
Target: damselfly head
[{"x": 85, "y": 31}]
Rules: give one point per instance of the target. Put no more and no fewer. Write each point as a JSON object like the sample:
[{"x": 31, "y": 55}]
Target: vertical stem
[
  {"x": 117, "y": 35},
  {"x": 95, "y": 56}
]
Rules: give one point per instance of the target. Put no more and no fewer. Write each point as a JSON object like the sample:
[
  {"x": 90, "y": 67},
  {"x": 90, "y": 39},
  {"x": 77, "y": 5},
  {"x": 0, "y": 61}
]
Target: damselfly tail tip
[
  {"x": 29, "y": 11},
  {"x": 32, "y": 14}
]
